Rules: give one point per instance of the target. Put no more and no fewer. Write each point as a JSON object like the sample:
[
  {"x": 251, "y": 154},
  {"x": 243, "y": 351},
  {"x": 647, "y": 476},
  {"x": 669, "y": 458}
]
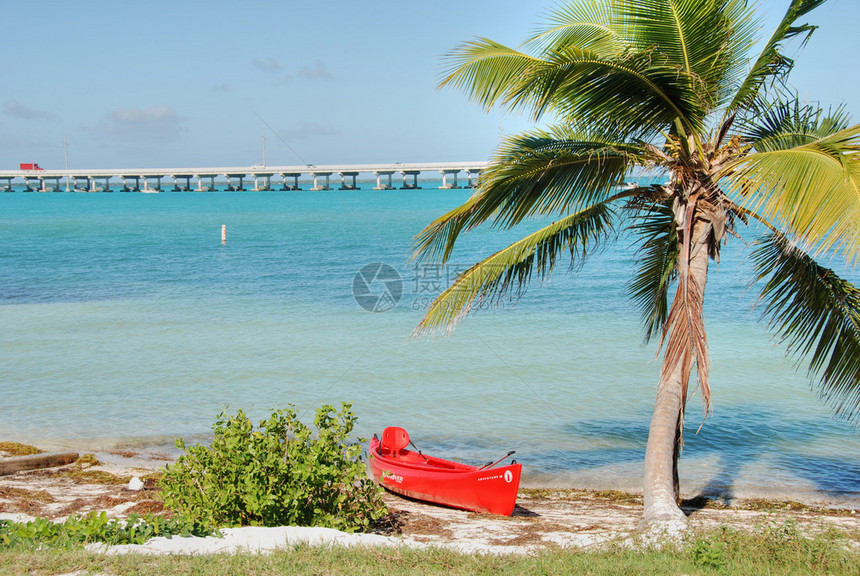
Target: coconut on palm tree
[{"x": 672, "y": 87}]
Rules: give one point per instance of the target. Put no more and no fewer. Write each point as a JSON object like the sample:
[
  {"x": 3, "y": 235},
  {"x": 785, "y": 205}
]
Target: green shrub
[
  {"x": 278, "y": 474},
  {"x": 708, "y": 552},
  {"x": 95, "y": 527}
]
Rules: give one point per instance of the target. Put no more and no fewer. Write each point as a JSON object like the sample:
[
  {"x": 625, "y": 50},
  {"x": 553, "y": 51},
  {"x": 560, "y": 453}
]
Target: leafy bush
[
  {"x": 709, "y": 553},
  {"x": 96, "y": 527},
  {"x": 278, "y": 474}
]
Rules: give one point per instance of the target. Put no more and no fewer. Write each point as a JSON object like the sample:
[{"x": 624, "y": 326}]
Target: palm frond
[
  {"x": 538, "y": 173},
  {"x": 636, "y": 90},
  {"x": 656, "y": 235},
  {"x": 787, "y": 123},
  {"x": 771, "y": 65},
  {"x": 633, "y": 65},
  {"x": 589, "y": 24},
  {"x": 705, "y": 40},
  {"x": 638, "y": 93},
  {"x": 812, "y": 190},
  {"x": 486, "y": 71},
  {"x": 817, "y": 315},
  {"x": 510, "y": 269}
]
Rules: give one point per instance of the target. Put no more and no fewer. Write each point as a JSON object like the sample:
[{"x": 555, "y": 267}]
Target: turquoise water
[{"x": 126, "y": 323}]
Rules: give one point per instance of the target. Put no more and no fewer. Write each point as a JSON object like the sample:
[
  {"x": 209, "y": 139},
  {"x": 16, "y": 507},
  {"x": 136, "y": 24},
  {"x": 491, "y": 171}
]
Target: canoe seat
[{"x": 394, "y": 439}]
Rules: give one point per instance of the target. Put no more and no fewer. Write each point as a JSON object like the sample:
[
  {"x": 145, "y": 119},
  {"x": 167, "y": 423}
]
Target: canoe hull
[{"x": 492, "y": 490}]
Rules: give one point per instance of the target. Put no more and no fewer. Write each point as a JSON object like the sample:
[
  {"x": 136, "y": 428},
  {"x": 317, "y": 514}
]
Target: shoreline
[
  {"x": 128, "y": 461},
  {"x": 549, "y": 517},
  {"x": 543, "y": 518}
]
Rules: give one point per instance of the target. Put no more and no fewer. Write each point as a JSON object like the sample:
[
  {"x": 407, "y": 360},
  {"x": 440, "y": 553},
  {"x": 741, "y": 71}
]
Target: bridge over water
[{"x": 238, "y": 178}]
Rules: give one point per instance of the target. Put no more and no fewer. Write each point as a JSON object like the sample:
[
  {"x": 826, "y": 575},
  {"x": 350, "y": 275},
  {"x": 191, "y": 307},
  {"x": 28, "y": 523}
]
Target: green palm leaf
[
  {"x": 538, "y": 173},
  {"x": 591, "y": 25},
  {"x": 488, "y": 72},
  {"x": 632, "y": 65},
  {"x": 817, "y": 314},
  {"x": 656, "y": 234},
  {"x": 706, "y": 40},
  {"x": 811, "y": 190},
  {"x": 510, "y": 269},
  {"x": 635, "y": 93},
  {"x": 771, "y": 63},
  {"x": 787, "y": 124}
]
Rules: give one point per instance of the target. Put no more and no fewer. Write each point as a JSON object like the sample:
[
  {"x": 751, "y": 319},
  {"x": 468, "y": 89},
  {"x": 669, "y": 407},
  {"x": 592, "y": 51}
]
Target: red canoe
[{"x": 481, "y": 489}]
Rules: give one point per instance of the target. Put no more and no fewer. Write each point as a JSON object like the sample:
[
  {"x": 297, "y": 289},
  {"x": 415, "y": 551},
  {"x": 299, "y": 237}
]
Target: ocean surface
[{"x": 125, "y": 323}]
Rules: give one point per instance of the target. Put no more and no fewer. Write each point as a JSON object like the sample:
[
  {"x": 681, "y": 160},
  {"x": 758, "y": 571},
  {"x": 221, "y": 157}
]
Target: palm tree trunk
[
  {"x": 661, "y": 487},
  {"x": 662, "y": 453}
]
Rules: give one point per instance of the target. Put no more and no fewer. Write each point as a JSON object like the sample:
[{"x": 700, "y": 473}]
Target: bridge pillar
[
  {"x": 31, "y": 183},
  {"x": 135, "y": 187},
  {"x": 414, "y": 185},
  {"x": 473, "y": 175},
  {"x": 95, "y": 183},
  {"x": 47, "y": 187},
  {"x": 210, "y": 182},
  {"x": 267, "y": 182},
  {"x": 294, "y": 176},
  {"x": 177, "y": 187},
  {"x": 445, "y": 185},
  {"x": 81, "y": 183},
  {"x": 379, "y": 175},
  {"x": 240, "y": 178},
  {"x": 344, "y": 185},
  {"x": 7, "y": 187},
  {"x": 156, "y": 183},
  {"x": 316, "y": 176}
]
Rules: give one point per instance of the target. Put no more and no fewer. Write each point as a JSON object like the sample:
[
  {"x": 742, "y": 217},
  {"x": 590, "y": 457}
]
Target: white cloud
[
  {"x": 17, "y": 110},
  {"x": 155, "y": 124},
  {"x": 269, "y": 66},
  {"x": 318, "y": 71}
]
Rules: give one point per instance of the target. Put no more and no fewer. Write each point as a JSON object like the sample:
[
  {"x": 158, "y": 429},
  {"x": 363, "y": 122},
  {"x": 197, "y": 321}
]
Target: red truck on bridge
[{"x": 30, "y": 166}]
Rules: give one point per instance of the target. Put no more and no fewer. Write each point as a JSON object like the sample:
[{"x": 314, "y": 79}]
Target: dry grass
[
  {"x": 17, "y": 449},
  {"x": 12, "y": 492}
]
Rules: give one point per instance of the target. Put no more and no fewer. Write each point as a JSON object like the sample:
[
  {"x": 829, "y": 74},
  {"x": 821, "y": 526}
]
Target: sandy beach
[{"x": 543, "y": 518}]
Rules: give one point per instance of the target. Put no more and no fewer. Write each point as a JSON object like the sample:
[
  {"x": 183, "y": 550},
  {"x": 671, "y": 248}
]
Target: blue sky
[{"x": 187, "y": 83}]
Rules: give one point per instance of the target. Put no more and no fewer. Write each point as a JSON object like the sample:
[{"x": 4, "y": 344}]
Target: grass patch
[
  {"x": 766, "y": 549},
  {"x": 18, "y": 449}
]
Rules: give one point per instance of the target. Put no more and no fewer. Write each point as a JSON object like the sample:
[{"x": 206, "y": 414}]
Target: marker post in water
[{"x": 223, "y": 234}]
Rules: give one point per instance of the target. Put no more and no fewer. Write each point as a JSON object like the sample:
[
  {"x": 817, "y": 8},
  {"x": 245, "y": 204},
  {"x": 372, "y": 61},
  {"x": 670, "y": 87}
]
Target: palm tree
[{"x": 668, "y": 86}]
